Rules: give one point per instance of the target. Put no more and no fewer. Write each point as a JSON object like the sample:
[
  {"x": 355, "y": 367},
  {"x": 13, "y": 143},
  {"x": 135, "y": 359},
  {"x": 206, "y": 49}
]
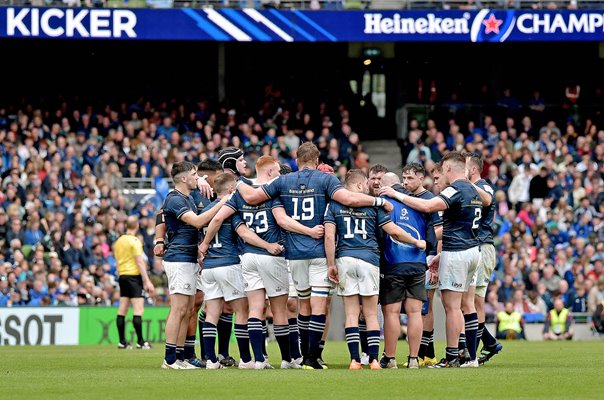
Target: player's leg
[
  {"x": 254, "y": 322},
  {"x": 413, "y": 308},
  {"x": 368, "y": 278},
  {"x": 240, "y": 307},
  {"x": 201, "y": 319},
  {"x": 470, "y": 324},
  {"x": 299, "y": 273},
  {"x": 120, "y": 320},
  {"x": 281, "y": 328},
  {"x": 426, "y": 348},
  {"x": 351, "y": 329},
  {"x": 265, "y": 334},
  {"x": 488, "y": 260},
  {"x": 292, "y": 320},
  {"x": 392, "y": 328},
  {"x": 256, "y": 295},
  {"x": 213, "y": 308},
  {"x": 320, "y": 288},
  {"x": 326, "y": 330},
  {"x": 363, "y": 336},
  {"x": 415, "y": 295},
  {"x": 452, "y": 304},
  {"x": 275, "y": 279},
  {"x": 176, "y": 317},
  {"x": 468, "y": 306},
  {"x": 348, "y": 289},
  {"x": 181, "y": 281},
  {"x": 190, "y": 355},
  {"x": 225, "y": 330},
  {"x": 391, "y": 297},
  {"x": 182, "y": 333},
  {"x": 232, "y": 286}
]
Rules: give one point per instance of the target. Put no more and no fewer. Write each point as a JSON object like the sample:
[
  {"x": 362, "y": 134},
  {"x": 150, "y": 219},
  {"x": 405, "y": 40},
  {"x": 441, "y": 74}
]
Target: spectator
[
  {"x": 510, "y": 324},
  {"x": 558, "y": 324}
]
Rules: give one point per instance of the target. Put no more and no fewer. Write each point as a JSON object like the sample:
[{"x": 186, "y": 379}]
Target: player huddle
[{"x": 244, "y": 245}]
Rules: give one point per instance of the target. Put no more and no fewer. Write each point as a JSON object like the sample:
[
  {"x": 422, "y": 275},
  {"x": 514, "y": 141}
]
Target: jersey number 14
[{"x": 359, "y": 228}]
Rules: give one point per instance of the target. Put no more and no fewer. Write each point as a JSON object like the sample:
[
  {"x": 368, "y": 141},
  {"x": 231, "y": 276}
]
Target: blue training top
[{"x": 400, "y": 258}]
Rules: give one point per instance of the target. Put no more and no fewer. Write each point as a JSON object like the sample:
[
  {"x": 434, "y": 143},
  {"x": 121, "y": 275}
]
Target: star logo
[{"x": 492, "y": 24}]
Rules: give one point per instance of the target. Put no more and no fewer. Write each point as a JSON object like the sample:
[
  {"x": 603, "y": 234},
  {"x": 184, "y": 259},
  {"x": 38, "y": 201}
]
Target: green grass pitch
[{"x": 524, "y": 370}]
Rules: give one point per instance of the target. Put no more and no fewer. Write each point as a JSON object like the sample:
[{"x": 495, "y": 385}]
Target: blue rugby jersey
[
  {"x": 182, "y": 239},
  {"x": 304, "y": 195},
  {"x": 462, "y": 217},
  {"x": 258, "y": 218},
  {"x": 357, "y": 230},
  {"x": 224, "y": 248},
  {"x": 485, "y": 233}
]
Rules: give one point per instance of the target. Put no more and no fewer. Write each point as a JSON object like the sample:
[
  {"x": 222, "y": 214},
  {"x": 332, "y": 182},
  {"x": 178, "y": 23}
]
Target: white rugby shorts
[{"x": 261, "y": 271}]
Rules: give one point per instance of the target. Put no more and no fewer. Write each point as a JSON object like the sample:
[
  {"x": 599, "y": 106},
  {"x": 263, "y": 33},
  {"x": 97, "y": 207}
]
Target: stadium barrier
[
  {"x": 71, "y": 326},
  {"x": 46, "y": 326}
]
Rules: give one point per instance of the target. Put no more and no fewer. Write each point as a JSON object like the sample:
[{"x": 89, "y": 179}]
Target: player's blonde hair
[{"x": 308, "y": 153}]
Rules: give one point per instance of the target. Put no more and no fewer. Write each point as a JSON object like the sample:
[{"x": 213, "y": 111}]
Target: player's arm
[
  {"x": 201, "y": 220},
  {"x": 160, "y": 234},
  {"x": 438, "y": 232},
  {"x": 216, "y": 222},
  {"x": 424, "y": 205},
  {"x": 204, "y": 187},
  {"x": 353, "y": 199},
  {"x": 249, "y": 236},
  {"x": 251, "y": 195},
  {"x": 142, "y": 268},
  {"x": 399, "y": 234},
  {"x": 486, "y": 197},
  {"x": 289, "y": 224},
  {"x": 330, "y": 251}
]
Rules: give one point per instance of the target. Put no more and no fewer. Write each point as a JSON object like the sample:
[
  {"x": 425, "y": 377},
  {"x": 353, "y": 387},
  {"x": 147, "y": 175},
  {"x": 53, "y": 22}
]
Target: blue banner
[{"x": 251, "y": 25}]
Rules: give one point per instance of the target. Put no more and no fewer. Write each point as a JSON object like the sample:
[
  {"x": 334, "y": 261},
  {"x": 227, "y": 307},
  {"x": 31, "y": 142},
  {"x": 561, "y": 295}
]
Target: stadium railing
[{"x": 320, "y": 4}]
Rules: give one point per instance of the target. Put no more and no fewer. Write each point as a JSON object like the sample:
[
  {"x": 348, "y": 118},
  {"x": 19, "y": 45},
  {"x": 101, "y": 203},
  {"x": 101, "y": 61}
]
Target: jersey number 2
[{"x": 476, "y": 220}]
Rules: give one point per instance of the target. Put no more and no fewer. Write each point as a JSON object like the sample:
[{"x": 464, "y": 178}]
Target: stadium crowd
[{"x": 63, "y": 171}]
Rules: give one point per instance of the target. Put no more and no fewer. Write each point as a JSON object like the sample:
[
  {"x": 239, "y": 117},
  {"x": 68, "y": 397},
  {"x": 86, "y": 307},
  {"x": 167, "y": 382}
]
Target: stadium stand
[{"x": 71, "y": 174}]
